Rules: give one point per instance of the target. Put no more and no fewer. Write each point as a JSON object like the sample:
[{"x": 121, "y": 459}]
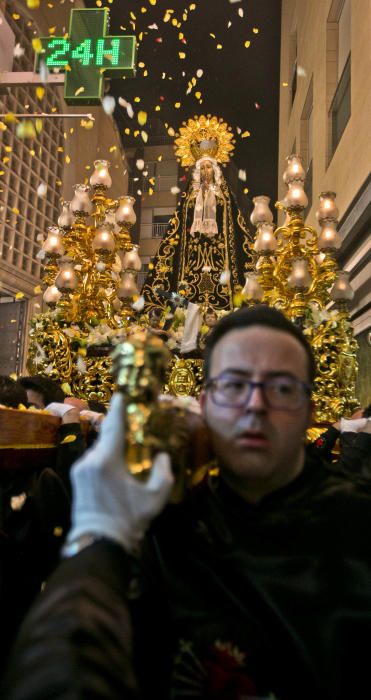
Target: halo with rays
[{"x": 202, "y": 136}]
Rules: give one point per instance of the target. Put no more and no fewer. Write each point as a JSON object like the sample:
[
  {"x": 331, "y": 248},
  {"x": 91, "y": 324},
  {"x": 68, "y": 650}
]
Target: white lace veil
[{"x": 204, "y": 219}]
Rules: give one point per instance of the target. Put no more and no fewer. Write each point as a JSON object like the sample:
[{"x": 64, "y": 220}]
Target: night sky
[{"x": 240, "y": 84}]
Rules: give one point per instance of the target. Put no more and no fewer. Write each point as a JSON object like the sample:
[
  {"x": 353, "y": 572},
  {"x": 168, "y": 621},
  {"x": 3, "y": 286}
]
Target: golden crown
[{"x": 204, "y": 136}]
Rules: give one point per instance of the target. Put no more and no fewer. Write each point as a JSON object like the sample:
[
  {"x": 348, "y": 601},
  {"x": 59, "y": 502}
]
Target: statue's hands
[{"x": 107, "y": 500}]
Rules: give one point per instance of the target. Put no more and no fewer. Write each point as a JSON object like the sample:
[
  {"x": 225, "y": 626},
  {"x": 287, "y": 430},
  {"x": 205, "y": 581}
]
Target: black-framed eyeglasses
[{"x": 281, "y": 391}]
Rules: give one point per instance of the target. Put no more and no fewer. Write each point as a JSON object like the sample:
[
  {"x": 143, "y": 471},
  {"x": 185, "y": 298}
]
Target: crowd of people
[{"x": 256, "y": 585}]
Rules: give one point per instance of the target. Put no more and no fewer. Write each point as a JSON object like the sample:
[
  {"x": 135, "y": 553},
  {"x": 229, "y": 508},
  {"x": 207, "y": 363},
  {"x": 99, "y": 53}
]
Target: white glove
[
  {"x": 59, "y": 409},
  {"x": 107, "y": 500},
  {"x": 352, "y": 426}
]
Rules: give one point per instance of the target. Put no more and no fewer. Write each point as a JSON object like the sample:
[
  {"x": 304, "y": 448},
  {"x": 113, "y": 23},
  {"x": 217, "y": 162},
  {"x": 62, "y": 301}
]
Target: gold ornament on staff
[{"x": 139, "y": 367}]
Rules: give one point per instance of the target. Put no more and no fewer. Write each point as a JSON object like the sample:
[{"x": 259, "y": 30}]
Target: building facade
[
  {"x": 58, "y": 156},
  {"x": 325, "y": 109}
]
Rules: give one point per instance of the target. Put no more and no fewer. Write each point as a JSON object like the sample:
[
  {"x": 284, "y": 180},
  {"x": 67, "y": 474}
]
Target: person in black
[
  {"x": 354, "y": 440},
  {"x": 34, "y": 511},
  {"x": 41, "y": 390},
  {"x": 257, "y": 585}
]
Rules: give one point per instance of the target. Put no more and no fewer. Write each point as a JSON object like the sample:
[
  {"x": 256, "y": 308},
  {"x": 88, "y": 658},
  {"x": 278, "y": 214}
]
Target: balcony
[{"x": 154, "y": 230}]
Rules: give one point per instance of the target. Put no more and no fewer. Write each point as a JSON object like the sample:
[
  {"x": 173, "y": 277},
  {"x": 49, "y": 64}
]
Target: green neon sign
[{"x": 87, "y": 55}]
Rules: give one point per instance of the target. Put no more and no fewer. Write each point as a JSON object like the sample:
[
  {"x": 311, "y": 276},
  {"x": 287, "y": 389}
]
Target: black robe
[
  {"x": 230, "y": 601},
  {"x": 181, "y": 256}
]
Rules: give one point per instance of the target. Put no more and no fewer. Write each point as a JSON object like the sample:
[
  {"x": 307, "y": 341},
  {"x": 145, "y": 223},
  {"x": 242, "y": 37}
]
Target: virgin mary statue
[{"x": 206, "y": 250}]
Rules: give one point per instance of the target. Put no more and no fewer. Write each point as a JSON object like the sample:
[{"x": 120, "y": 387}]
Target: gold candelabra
[
  {"x": 296, "y": 271},
  {"x": 88, "y": 259}
]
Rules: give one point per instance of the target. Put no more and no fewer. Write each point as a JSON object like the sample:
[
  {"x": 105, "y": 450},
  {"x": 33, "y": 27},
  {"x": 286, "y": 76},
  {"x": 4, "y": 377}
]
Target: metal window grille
[{"x": 27, "y": 164}]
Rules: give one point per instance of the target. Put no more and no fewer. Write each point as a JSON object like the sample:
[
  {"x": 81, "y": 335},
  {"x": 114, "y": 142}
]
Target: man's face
[
  {"x": 259, "y": 448},
  {"x": 35, "y": 399},
  {"x": 207, "y": 171}
]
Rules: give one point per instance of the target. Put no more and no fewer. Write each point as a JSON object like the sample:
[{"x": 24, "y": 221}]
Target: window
[
  {"x": 340, "y": 107},
  {"x": 165, "y": 174},
  {"x": 338, "y": 68},
  {"x": 293, "y": 65},
  {"x": 306, "y": 144}
]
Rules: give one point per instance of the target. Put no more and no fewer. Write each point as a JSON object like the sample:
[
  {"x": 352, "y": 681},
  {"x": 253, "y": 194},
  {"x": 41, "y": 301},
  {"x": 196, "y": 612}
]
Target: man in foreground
[{"x": 257, "y": 585}]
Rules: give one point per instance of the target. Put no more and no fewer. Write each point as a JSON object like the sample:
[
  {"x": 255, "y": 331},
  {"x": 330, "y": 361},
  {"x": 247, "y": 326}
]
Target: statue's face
[{"x": 207, "y": 171}]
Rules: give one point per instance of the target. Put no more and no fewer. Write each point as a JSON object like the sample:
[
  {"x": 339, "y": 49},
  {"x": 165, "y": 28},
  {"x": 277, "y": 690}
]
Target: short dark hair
[
  {"x": 47, "y": 387},
  {"x": 367, "y": 411},
  {"x": 260, "y": 315},
  {"x": 11, "y": 393}
]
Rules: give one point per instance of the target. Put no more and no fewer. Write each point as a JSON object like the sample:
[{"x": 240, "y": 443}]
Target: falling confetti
[
  {"x": 242, "y": 175},
  {"x": 138, "y": 304},
  {"x": 225, "y": 277},
  {"x": 18, "y": 51},
  {"x": 301, "y": 72},
  {"x": 25, "y": 130},
  {"x": 142, "y": 118},
  {"x": 37, "y": 45},
  {"x": 42, "y": 189},
  {"x": 109, "y": 104}
]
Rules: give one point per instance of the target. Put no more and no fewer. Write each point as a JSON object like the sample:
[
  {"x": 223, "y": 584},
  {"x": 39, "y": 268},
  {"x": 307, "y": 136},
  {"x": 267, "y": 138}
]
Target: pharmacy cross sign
[{"x": 87, "y": 54}]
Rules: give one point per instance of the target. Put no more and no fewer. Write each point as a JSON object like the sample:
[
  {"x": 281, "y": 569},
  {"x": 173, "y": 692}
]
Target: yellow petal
[
  {"x": 142, "y": 118},
  {"x": 37, "y": 45},
  {"x": 66, "y": 388},
  {"x": 68, "y": 438}
]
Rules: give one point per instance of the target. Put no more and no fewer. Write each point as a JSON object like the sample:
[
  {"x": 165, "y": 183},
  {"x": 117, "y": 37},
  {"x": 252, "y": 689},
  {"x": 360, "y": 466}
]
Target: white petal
[{"x": 108, "y": 104}]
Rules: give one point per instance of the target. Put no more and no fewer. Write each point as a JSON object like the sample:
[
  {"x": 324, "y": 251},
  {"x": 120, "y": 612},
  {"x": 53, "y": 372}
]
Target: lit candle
[
  {"x": 53, "y": 244},
  {"x": 342, "y": 289},
  {"x": 253, "y": 289},
  {"x": 327, "y": 210},
  {"x": 299, "y": 277},
  {"x": 329, "y": 238},
  {"x": 294, "y": 170},
  {"x": 103, "y": 239},
  {"x": 101, "y": 177},
  {"x": 266, "y": 241},
  {"x": 262, "y": 213}
]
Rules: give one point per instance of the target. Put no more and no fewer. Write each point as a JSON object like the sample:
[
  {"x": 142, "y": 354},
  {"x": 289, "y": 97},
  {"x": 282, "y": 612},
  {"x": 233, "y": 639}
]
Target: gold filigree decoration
[
  {"x": 201, "y": 136},
  {"x": 185, "y": 377}
]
